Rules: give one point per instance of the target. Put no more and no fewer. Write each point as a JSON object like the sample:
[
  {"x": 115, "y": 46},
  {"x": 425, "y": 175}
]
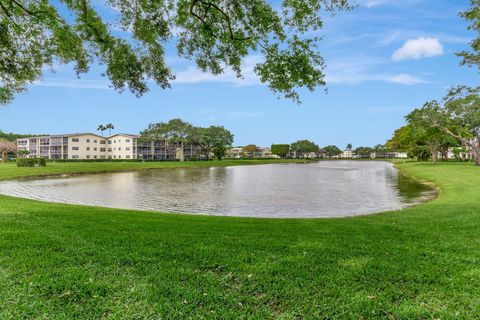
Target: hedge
[{"x": 31, "y": 162}]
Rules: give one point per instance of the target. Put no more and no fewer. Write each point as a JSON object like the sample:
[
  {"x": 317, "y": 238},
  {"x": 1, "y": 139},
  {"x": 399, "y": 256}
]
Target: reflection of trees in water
[{"x": 409, "y": 188}]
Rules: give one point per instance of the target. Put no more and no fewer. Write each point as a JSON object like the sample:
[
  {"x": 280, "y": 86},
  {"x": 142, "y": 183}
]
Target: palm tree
[
  {"x": 110, "y": 127},
  {"x": 349, "y": 146},
  {"x": 101, "y": 128}
]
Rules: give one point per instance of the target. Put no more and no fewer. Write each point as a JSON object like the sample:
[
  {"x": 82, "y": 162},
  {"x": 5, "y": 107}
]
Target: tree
[
  {"x": 349, "y": 146},
  {"x": 331, "y": 151},
  {"x": 363, "y": 150},
  {"x": 109, "y": 127},
  {"x": 175, "y": 130},
  {"x": 12, "y": 136},
  {"x": 217, "y": 35},
  {"x": 472, "y": 15},
  {"x": 101, "y": 128},
  {"x": 434, "y": 138},
  {"x": 7, "y": 147},
  {"x": 219, "y": 151},
  {"x": 23, "y": 153},
  {"x": 302, "y": 147},
  {"x": 458, "y": 115},
  {"x": 402, "y": 139},
  {"x": 280, "y": 150},
  {"x": 211, "y": 137},
  {"x": 249, "y": 150}
]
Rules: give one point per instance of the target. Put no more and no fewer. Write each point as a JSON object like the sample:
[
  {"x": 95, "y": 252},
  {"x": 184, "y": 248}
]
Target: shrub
[
  {"x": 421, "y": 153},
  {"x": 31, "y": 162}
]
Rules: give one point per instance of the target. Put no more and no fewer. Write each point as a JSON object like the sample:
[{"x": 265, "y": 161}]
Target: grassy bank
[{"x": 64, "y": 261}]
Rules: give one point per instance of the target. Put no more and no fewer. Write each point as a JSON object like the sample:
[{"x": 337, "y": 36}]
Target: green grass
[{"x": 63, "y": 261}]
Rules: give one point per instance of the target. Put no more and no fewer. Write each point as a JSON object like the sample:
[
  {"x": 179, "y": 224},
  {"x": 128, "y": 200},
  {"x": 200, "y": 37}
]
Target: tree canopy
[
  {"x": 331, "y": 151},
  {"x": 212, "y": 138},
  {"x": 280, "y": 150},
  {"x": 175, "y": 130},
  {"x": 216, "y": 35},
  {"x": 304, "y": 146}
]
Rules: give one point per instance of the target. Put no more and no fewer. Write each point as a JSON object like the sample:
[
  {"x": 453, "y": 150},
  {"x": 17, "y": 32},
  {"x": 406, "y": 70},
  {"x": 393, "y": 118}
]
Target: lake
[{"x": 297, "y": 190}]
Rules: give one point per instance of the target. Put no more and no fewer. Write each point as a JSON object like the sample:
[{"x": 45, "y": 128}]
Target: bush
[
  {"x": 421, "y": 153},
  {"x": 31, "y": 162}
]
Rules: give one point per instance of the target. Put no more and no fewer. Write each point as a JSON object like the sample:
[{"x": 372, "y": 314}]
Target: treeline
[
  {"x": 12, "y": 136},
  {"x": 213, "y": 139}
]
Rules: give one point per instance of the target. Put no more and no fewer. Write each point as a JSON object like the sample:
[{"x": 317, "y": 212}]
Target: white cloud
[
  {"x": 421, "y": 47},
  {"x": 356, "y": 70},
  {"x": 406, "y": 79}
]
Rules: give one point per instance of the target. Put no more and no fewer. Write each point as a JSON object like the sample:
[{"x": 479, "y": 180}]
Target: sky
[{"x": 384, "y": 59}]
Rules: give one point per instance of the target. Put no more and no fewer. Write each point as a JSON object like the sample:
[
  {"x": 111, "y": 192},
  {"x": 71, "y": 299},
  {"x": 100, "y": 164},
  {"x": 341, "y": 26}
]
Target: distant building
[
  {"x": 347, "y": 154},
  {"x": 84, "y": 146}
]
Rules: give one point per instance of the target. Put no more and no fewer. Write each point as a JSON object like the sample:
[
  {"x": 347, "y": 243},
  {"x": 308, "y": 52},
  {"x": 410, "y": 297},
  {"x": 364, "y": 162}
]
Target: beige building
[{"x": 85, "y": 146}]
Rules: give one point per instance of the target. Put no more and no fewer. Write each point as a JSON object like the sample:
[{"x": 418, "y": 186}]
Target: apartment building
[{"x": 84, "y": 146}]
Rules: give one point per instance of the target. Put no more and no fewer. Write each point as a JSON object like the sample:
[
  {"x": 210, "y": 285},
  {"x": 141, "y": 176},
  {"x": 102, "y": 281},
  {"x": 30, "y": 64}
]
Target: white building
[{"x": 84, "y": 146}]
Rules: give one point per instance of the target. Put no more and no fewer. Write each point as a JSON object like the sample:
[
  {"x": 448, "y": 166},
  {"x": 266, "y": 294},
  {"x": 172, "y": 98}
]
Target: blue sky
[{"x": 384, "y": 59}]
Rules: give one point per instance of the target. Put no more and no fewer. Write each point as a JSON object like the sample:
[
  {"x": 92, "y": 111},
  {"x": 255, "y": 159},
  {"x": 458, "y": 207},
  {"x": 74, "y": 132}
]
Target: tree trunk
[
  {"x": 476, "y": 154},
  {"x": 434, "y": 151}
]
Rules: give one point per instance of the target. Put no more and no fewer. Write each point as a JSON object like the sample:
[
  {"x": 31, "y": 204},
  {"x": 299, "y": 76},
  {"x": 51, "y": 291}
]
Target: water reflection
[{"x": 323, "y": 189}]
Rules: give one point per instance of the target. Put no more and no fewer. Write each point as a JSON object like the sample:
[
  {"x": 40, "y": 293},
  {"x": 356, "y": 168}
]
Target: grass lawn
[{"x": 63, "y": 261}]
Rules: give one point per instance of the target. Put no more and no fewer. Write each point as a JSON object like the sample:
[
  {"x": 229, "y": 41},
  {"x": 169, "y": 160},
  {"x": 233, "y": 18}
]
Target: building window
[
  {"x": 88, "y": 157},
  {"x": 75, "y": 156},
  {"x": 127, "y": 141},
  {"x": 102, "y": 149},
  {"x": 119, "y": 141},
  {"x": 102, "y": 141},
  {"x": 114, "y": 141},
  {"x": 94, "y": 141},
  {"x": 102, "y": 157},
  {"x": 88, "y": 140},
  {"x": 95, "y": 149},
  {"x": 120, "y": 149},
  {"x": 75, "y": 140},
  {"x": 127, "y": 148},
  {"x": 88, "y": 148},
  {"x": 115, "y": 157},
  {"x": 109, "y": 142},
  {"x": 119, "y": 157},
  {"x": 75, "y": 148},
  {"x": 109, "y": 149},
  {"x": 128, "y": 157},
  {"x": 95, "y": 157}
]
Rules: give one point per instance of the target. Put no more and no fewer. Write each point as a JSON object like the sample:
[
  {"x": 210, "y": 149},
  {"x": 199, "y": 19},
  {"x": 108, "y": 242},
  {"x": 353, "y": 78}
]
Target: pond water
[{"x": 309, "y": 190}]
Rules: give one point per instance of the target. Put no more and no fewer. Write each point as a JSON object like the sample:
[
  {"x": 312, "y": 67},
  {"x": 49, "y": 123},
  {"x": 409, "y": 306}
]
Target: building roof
[{"x": 81, "y": 134}]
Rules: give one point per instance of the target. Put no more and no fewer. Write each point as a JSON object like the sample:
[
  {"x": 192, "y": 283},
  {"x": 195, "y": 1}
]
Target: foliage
[
  {"x": 249, "y": 150},
  {"x": 7, "y": 147},
  {"x": 31, "y": 162},
  {"x": 402, "y": 139},
  {"x": 421, "y": 153},
  {"x": 472, "y": 15},
  {"x": 12, "y": 136},
  {"x": 301, "y": 147},
  {"x": 219, "y": 151},
  {"x": 436, "y": 139},
  {"x": 210, "y": 138},
  {"x": 458, "y": 115},
  {"x": 364, "y": 150},
  {"x": 349, "y": 146},
  {"x": 280, "y": 150},
  {"x": 175, "y": 130},
  {"x": 217, "y": 35},
  {"x": 331, "y": 151}
]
